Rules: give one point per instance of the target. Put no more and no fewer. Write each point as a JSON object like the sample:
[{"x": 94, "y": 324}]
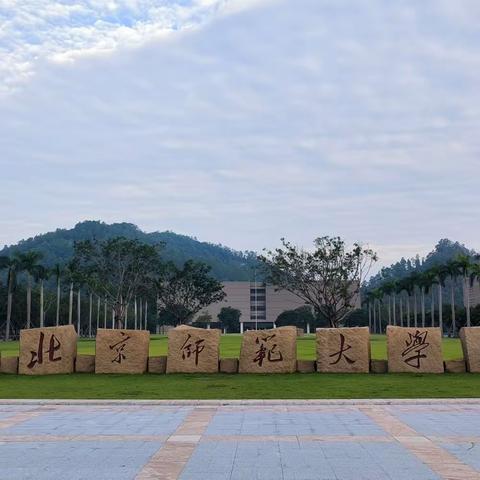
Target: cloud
[{"x": 267, "y": 119}]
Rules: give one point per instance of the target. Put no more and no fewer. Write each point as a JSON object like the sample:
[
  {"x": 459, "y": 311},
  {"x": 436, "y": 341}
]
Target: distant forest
[{"x": 57, "y": 247}]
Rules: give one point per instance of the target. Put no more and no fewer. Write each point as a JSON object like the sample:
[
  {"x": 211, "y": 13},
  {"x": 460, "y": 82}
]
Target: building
[
  {"x": 473, "y": 292},
  {"x": 259, "y": 304}
]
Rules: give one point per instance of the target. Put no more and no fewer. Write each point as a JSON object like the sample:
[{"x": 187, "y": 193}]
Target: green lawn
[
  {"x": 230, "y": 347},
  {"x": 221, "y": 386}
]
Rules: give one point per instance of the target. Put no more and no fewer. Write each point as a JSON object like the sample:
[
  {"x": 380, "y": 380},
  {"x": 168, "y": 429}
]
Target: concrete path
[{"x": 240, "y": 441}]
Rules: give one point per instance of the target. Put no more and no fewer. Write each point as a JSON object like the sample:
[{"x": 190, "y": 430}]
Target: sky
[{"x": 243, "y": 121}]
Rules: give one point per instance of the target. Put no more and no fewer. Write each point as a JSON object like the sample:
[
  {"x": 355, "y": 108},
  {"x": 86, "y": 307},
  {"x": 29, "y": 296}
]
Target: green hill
[{"x": 57, "y": 247}]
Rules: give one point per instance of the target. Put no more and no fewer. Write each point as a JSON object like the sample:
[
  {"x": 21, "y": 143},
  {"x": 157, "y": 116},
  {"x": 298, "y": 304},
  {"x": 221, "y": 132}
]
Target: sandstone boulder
[
  {"x": 157, "y": 364},
  {"x": 305, "y": 366},
  {"x": 193, "y": 350},
  {"x": 47, "y": 350},
  {"x": 121, "y": 351},
  {"x": 9, "y": 365},
  {"x": 343, "y": 350},
  {"x": 378, "y": 366},
  {"x": 85, "y": 364},
  {"x": 414, "y": 350},
  {"x": 470, "y": 338},
  {"x": 269, "y": 351},
  {"x": 455, "y": 366},
  {"x": 229, "y": 365}
]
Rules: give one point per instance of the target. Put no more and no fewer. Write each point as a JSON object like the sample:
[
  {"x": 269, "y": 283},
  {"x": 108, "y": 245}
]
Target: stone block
[
  {"x": 157, "y": 364},
  {"x": 47, "y": 350},
  {"x": 229, "y": 365},
  {"x": 9, "y": 365},
  {"x": 470, "y": 338},
  {"x": 414, "y": 350},
  {"x": 121, "y": 351},
  {"x": 85, "y": 364},
  {"x": 378, "y": 366},
  {"x": 193, "y": 350},
  {"x": 269, "y": 351},
  {"x": 343, "y": 350},
  {"x": 305, "y": 366},
  {"x": 455, "y": 366}
]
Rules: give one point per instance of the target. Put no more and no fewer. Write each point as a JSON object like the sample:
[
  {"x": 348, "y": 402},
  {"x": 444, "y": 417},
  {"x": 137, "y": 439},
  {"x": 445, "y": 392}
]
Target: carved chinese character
[
  {"x": 188, "y": 348},
  {"x": 37, "y": 355},
  {"x": 119, "y": 348},
  {"x": 341, "y": 353},
  {"x": 267, "y": 350},
  {"x": 416, "y": 344}
]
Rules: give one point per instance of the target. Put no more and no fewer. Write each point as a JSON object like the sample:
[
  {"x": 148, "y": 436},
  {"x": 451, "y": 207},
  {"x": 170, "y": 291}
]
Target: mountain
[
  {"x": 444, "y": 251},
  {"x": 57, "y": 247}
]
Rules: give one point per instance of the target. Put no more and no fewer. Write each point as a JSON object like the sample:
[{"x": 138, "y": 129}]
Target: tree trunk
[
  {"x": 98, "y": 313},
  {"x": 440, "y": 309},
  {"x": 408, "y": 310},
  {"x": 135, "y": 313},
  {"x": 415, "y": 307},
  {"x": 57, "y": 315},
  {"x": 141, "y": 313},
  {"x": 70, "y": 305},
  {"x": 452, "y": 306},
  {"x": 113, "y": 318},
  {"x": 29, "y": 299},
  {"x": 394, "y": 309},
  {"x": 423, "y": 307},
  {"x": 126, "y": 317},
  {"x": 41, "y": 305},
  {"x": 432, "y": 308},
  {"x": 104, "y": 313},
  {"x": 146, "y": 315},
  {"x": 370, "y": 317},
  {"x": 389, "y": 310},
  {"x": 467, "y": 290},
  {"x": 401, "y": 311},
  {"x": 90, "y": 300},
  {"x": 78, "y": 311}
]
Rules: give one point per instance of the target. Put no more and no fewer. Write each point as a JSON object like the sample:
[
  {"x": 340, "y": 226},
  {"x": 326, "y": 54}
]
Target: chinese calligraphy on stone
[
  {"x": 267, "y": 349},
  {"x": 119, "y": 348},
  {"x": 416, "y": 344},
  {"x": 190, "y": 348},
  {"x": 37, "y": 355}
]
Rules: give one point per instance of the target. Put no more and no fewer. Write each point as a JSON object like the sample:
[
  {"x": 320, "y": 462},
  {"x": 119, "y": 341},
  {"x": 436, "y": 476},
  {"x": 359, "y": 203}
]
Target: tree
[
  {"x": 328, "y": 278},
  {"x": 183, "y": 292},
  {"x": 41, "y": 274},
  {"x": 453, "y": 269},
  {"x": 300, "y": 317},
  {"x": 28, "y": 262},
  {"x": 115, "y": 269},
  {"x": 229, "y": 319},
  {"x": 12, "y": 265},
  {"x": 464, "y": 264},
  {"x": 440, "y": 273},
  {"x": 57, "y": 272}
]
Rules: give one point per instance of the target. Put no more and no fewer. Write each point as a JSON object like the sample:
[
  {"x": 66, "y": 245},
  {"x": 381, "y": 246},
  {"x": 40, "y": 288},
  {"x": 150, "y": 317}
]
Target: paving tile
[{"x": 468, "y": 453}]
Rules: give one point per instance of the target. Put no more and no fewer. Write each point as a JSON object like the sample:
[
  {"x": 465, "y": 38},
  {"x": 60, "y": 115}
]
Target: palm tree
[
  {"x": 464, "y": 265},
  {"x": 440, "y": 273},
  {"x": 425, "y": 282},
  {"x": 57, "y": 272},
  {"x": 387, "y": 289},
  {"x": 28, "y": 262},
  {"x": 407, "y": 285},
  {"x": 41, "y": 274},
  {"x": 11, "y": 264},
  {"x": 474, "y": 273},
  {"x": 453, "y": 268}
]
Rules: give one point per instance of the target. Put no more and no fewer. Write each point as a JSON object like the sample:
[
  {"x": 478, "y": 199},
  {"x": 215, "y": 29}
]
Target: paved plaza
[{"x": 215, "y": 441}]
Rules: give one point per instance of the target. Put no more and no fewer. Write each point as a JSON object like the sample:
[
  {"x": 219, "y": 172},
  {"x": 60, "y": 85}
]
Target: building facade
[
  {"x": 259, "y": 304},
  {"x": 473, "y": 293}
]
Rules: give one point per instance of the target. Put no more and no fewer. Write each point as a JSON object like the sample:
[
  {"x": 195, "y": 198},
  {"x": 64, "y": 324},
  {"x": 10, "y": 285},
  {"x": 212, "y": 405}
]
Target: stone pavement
[{"x": 368, "y": 440}]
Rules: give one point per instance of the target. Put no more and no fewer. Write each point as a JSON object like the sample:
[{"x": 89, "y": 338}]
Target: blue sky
[{"x": 242, "y": 121}]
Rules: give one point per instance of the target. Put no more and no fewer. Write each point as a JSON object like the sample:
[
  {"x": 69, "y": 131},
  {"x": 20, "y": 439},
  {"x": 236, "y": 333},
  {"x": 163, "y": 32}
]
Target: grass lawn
[{"x": 221, "y": 386}]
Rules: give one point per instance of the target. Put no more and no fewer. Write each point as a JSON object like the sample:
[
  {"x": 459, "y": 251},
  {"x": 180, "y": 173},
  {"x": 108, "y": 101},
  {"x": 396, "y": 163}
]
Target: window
[
  {"x": 258, "y": 298},
  {"x": 257, "y": 308}
]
